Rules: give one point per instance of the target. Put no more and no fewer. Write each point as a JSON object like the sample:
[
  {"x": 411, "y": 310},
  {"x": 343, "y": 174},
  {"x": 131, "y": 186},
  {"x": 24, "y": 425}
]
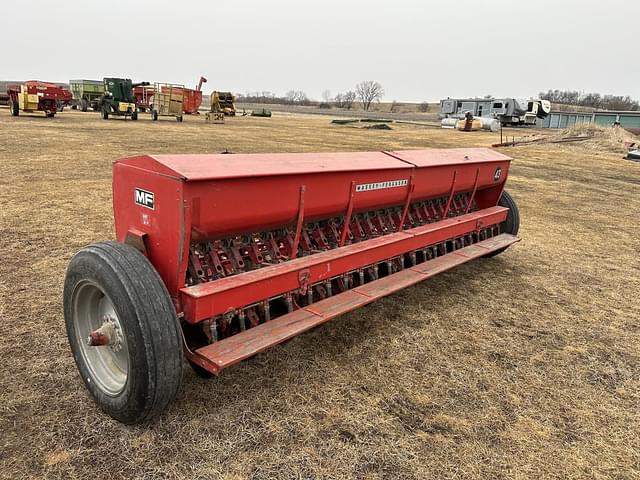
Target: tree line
[
  {"x": 366, "y": 93},
  {"x": 593, "y": 100}
]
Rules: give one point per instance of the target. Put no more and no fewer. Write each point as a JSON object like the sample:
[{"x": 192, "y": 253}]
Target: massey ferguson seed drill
[{"x": 218, "y": 260}]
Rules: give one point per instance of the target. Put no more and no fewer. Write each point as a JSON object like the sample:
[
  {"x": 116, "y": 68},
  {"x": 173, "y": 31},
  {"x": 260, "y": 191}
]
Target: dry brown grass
[
  {"x": 522, "y": 366},
  {"x": 602, "y": 139}
]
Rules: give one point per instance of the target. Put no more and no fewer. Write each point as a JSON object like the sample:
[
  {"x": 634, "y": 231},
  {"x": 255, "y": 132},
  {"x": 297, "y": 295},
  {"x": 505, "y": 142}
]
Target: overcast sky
[{"x": 418, "y": 50}]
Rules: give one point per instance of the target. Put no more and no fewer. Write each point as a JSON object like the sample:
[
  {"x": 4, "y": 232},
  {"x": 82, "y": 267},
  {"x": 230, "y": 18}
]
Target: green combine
[{"x": 118, "y": 98}]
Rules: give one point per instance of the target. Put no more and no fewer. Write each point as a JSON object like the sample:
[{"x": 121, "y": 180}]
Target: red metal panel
[
  {"x": 192, "y": 100},
  {"x": 221, "y": 166},
  {"x": 236, "y": 348},
  {"x": 440, "y": 264},
  {"x": 473, "y": 251},
  {"x": 475, "y": 168},
  {"x": 392, "y": 283},
  {"x": 252, "y": 341},
  {"x": 213, "y": 298},
  {"x": 250, "y": 181},
  {"x": 164, "y": 224},
  {"x": 240, "y": 194},
  {"x": 240, "y": 205},
  {"x": 449, "y": 156},
  {"x": 492, "y": 243},
  {"x": 338, "y": 304}
]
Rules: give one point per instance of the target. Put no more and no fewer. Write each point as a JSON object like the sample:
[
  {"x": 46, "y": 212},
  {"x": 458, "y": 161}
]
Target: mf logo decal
[
  {"x": 365, "y": 187},
  {"x": 144, "y": 198},
  {"x": 497, "y": 175}
]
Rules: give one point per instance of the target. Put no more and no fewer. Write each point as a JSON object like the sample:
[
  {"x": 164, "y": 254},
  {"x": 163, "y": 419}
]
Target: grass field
[{"x": 526, "y": 365}]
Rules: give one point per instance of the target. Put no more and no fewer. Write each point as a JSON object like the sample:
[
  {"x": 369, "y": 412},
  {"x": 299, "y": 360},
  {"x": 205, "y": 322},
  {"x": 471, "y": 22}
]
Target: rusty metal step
[{"x": 231, "y": 350}]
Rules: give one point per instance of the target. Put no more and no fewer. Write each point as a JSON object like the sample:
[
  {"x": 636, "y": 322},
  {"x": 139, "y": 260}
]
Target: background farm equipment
[
  {"x": 4, "y": 94},
  {"x": 193, "y": 98},
  {"x": 118, "y": 98},
  {"x": 261, "y": 113},
  {"x": 207, "y": 267},
  {"x": 86, "y": 93},
  {"x": 223, "y": 102},
  {"x": 144, "y": 97},
  {"x": 36, "y": 96},
  {"x": 168, "y": 101}
]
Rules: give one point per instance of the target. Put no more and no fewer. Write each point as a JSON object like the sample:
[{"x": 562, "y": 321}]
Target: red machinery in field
[
  {"x": 222, "y": 259},
  {"x": 193, "y": 98},
  {"x": 143, "y": 94},
  {"x": 36, "y": 96}
]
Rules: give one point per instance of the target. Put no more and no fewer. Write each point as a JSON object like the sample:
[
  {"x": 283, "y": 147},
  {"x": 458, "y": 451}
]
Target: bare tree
[
  {"x": 348, "y": 98},
  {"x": 345, "y": 100},
  {"x": 298, "y": 97},
  {"x": 290, "y": 96},
  {"x": 368, "y": 92},
  {"x": 593, "y": 100},
  {"x": 326, "y": 99},
  {"x": 423, "y": 107}
]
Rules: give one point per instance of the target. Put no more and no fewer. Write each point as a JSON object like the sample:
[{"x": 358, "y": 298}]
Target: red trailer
[
  {"x": 4, "y": 96},
  {"x": 193, "y": 98},
  {"x": 144, "y": 96},
  {"x": 223, "y": 259}
]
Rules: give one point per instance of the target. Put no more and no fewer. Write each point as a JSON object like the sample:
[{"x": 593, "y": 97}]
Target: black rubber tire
[
  {"x": 14, "y": 108},
  {"x": 105, "y": 113},
  {"x": 134, "y": 116},
  {"x": 50, "y": 114},
  {"x": 150, "y": 326},
  {"x": 512, "y": 224},
  {"x": 180, "y": 119}
]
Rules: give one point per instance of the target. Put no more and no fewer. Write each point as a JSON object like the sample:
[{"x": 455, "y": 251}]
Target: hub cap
[{"x": 108, "y": 364}]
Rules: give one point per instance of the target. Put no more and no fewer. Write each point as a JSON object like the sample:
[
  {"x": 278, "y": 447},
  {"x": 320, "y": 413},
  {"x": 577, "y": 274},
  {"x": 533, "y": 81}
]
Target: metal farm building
[{"x": 628, "y": 120}]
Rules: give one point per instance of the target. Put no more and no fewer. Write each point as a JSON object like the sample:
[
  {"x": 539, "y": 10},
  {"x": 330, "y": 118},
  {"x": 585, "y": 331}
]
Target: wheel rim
[{"x": 108, "y": 365}]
